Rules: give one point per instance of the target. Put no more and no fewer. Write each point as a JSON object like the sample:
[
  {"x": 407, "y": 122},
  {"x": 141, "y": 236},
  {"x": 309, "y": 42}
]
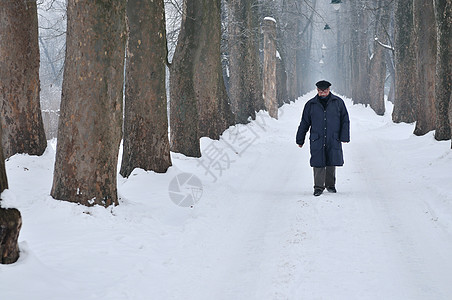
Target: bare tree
[
  {"x": 146, "y": 143},
  {"x": 52, "y": 42},
  {"x": 90, "y": 124},
  {"x": 23, "y": 130}
]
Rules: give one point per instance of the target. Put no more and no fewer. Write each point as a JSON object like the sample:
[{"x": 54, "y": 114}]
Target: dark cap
[{"x": 323, "y": 84}]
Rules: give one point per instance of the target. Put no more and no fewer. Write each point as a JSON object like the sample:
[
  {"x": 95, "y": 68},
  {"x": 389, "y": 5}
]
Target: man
[{"x": 326, "y": 117}]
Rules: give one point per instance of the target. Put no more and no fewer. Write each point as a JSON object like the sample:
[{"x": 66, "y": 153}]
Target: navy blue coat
[{"x": 328, "y": 128}]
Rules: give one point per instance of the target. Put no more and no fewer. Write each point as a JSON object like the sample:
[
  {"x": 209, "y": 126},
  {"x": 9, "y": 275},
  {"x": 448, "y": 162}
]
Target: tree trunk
[
  {"x": 199, "y": 102},
  {"x": 215, "y": 114},
  {"x": 360, "y": 56},
  {"x": 443, "y": 88},
  {"x": 377, "y": 80},
  {"x": 23, "y": 130},
  {"x": 3, "y": 177},
  {"x": 146, "y": 143},
  {"x": 245, "y": 84},
  {"x": 281, "y": 83},
  {"x": 289, "y": 45},
  {"x": 269, "y": 72},
  {"x": 390, "y": 67},
  {"x": 183, "y": 102},
  {"x": 90, "y": 124},
  {"x": 378, "y": 62},
  {"x": 10, "y": 222},
  {"x": 425, "y": 43},
  {"x": 303, "y": 51},
  {"x": 348, "y": 45},
  {"x": 405, "y": 64},
  {"x": 450, "y": 116}
]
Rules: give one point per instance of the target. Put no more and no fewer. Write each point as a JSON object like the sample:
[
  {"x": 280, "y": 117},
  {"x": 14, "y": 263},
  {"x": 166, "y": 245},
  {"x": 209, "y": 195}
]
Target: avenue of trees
[{"x": 118, "y": 54}]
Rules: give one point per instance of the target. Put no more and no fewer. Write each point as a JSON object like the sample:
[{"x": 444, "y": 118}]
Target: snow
[
  {"x": 270, "y": 19},
  {"x": 255, "y": 231}
]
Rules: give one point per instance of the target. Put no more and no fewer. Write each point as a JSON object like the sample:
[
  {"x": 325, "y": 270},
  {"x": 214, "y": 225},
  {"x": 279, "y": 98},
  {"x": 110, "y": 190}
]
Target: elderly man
[{"x": 326, "y": 117}]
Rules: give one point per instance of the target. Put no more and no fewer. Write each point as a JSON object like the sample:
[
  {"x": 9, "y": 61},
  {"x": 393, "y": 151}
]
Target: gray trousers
[{"x": 324, "y": 177}]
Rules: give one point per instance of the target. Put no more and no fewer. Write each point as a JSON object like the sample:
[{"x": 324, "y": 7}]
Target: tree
[
  {"x": 146, "y": 143},
  {"x": 288, "y": 23},
  {"x": 405, "y": 64},
  {"x": 269, "y": 30},
  {"x": 184, "y": 135},
  {"x": 10, "y": 222},
  {"x": 23, "y": 130},
  {"x": 443, "y": 88},
  {"x": 359, "y": 52},
  {"x": 199, "y": 102},
  {"x": 378, "y": 61},
  {"x": 245, "y": 76},
  {"x": 425, "y": 47},
  {"x": 90, "y": 125},
  {"x": 304, "y": 38}
]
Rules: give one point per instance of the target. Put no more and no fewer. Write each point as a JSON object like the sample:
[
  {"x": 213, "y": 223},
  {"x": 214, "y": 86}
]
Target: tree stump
[{"x": 10, "y": 224}]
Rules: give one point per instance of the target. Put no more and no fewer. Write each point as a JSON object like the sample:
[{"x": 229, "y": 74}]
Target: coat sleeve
[
  {"x": 304, "y": 125},
  {"x": 345, "y": 124}
]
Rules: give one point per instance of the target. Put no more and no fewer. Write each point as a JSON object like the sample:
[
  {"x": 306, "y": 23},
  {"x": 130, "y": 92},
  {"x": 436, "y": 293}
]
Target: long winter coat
[{"x": 328, "y": 128}]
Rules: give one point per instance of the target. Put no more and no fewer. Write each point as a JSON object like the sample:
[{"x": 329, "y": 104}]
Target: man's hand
[{"x": 300, "y": 146}]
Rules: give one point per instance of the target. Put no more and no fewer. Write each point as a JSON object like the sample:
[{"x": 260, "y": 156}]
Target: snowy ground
[{"x": 256, "y": 231}]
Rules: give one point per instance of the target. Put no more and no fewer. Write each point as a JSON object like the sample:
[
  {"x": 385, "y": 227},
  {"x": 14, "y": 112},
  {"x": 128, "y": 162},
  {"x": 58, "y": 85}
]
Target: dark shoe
[
  {"x": 318, "y": 192},
  {"x": 331, "y": 189}
]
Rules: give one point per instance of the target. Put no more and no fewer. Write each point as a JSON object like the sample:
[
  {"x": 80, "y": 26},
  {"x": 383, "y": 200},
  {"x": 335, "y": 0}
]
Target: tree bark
[
  {"x": 23, "y": 130},
  {"x": 145, "y": 143},
  {"x": 245, "y": 83},
  {"x": 377, "y": 80},
  {"x": 405, "y": 64},
  {"x": 3, "y": 177},
  {"x": 359, "y": 54},
  {"x": 199, "y": 102},
  {"x": 215, "y": 114},
  {"x": 289, "y": 45},
  {"x": 443, "y": 88},
  {"x": 10, "y": 222},
  {"x": 378, "y": 62},
  {"x": 90, "y": 125},
  {"x": 184, "y": 135},
  {"x": 269, "y": 72},
  {"x": 281, "y": 83},
  {"x": 425, "y": 43}
]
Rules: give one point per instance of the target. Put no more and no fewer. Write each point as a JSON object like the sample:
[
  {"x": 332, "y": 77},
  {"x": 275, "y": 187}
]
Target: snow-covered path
[{"x": 257, "y": 232}]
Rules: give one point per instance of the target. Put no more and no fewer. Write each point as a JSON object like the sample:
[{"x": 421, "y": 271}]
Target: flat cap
[{"x": 323, "y": 84}]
